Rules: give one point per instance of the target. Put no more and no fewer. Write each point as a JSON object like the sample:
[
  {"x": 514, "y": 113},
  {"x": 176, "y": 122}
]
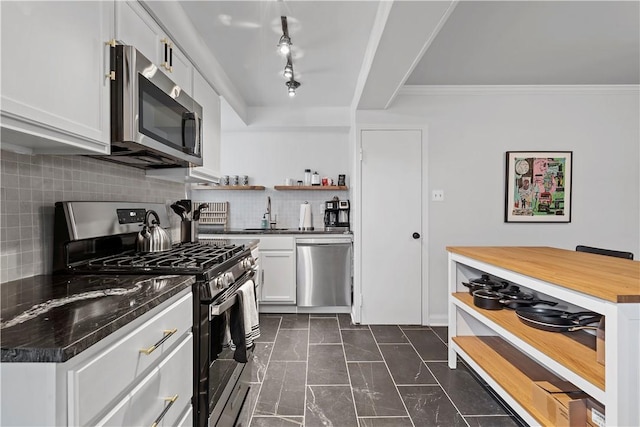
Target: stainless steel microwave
[{"x": 154, "y": 123}]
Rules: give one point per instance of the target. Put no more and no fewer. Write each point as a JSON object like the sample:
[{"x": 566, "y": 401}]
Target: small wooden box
[{"x": 562, "y": 403}]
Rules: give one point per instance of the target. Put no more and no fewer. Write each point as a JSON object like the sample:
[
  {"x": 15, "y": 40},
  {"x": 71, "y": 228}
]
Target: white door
[{"x": 391, "y": 250}]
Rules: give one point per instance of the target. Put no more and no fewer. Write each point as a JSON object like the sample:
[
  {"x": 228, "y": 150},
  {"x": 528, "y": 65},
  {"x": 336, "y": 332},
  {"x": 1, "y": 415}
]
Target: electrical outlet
[{"x": 437, "y": 195}]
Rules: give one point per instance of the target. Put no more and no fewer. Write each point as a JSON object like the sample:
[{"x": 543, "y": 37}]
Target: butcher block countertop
[{"x": 608, "y": 278}]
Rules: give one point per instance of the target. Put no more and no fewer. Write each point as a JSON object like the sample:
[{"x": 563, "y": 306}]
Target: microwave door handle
[
  {"x": 198, "y": 145},
  {"x": 191, "y": 116}
]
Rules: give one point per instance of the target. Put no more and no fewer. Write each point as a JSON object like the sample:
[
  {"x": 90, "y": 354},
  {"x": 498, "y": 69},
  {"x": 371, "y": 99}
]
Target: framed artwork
[{"x": 538, "y": 186}]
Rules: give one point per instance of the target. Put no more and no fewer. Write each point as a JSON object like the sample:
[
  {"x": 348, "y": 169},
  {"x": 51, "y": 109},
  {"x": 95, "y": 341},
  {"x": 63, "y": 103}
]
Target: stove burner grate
[{"x": 186, "y": 256}]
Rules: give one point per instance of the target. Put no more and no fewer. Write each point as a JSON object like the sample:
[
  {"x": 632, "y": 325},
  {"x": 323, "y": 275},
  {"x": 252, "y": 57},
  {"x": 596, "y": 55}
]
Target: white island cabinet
[
  {"x": 510, "y": 355},
  {"x": 134, "y": 376},
  {"x": 55, "y": 89}
]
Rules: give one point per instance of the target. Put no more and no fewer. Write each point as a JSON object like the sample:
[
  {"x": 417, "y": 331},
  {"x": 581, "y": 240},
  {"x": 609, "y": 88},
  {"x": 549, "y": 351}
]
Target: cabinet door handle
[
  {"x": 171, "y": 401},
  {"x": 167, "y": 334}
]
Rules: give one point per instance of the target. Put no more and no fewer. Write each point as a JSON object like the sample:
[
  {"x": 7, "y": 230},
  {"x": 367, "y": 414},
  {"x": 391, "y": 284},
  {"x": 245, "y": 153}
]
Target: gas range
[{"x": 100, "y": 238}]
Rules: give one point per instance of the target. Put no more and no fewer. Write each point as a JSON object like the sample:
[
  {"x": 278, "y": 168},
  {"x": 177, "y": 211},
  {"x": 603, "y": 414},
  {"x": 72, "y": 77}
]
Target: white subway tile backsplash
[{"x": 30, "y": 185}]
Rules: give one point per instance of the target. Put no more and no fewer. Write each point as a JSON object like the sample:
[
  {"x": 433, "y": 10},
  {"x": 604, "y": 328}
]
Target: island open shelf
[
  {"x": 573, "y": 279},
  {"x": 510, "y": 370},
  {"x": 574, "y": 350}
]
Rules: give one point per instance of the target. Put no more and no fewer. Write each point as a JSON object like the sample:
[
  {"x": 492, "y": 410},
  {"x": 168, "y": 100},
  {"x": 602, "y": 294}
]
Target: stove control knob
[
  {"x": 228, "y": 278},
  {"x": 218, "y": 282}
]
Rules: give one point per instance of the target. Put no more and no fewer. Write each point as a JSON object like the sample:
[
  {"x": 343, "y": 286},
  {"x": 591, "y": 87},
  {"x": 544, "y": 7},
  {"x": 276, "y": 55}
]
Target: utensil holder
[{"x": 188, "y": 231}]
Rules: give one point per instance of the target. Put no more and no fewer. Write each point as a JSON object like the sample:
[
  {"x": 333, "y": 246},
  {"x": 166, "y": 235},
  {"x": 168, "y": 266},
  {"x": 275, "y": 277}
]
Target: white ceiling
[{"x": 360, "y": 53}]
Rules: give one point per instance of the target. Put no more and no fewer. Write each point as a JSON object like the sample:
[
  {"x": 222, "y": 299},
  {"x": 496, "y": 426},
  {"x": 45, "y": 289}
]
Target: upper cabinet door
[
  {"x": 135, "y": 27},
  {"x": 55, "y": 93}
]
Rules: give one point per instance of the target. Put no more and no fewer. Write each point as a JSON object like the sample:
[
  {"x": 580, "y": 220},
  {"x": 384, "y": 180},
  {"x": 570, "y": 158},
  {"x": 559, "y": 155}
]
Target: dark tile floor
[{"x": 321, "y": 370}]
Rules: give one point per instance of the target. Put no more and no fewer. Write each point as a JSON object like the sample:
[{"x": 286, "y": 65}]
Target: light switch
[{"x": 437, "y": 195}]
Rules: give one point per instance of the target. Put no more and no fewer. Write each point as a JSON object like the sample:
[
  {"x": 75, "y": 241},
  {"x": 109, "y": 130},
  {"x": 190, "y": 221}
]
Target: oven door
[{"x": 223, "y": 382}]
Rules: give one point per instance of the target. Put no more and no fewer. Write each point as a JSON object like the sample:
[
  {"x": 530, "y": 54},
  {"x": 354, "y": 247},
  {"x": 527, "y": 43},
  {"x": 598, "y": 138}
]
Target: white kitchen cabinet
[
  {"x": 55, "y": 90},
  {"x": 112, "y": 381},
  {"x": 204, "y": 95},
  {"x": 134, "y": 26},
  {"x": 278, "y": 277},
  {"x": 276, "y": 266},
  {"x": 509, "y": 355},
  {"x": 96, "y": 383}
]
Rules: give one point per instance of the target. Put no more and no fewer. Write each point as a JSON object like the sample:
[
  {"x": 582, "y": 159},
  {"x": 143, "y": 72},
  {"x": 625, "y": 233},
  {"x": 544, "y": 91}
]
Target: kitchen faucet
[{"x": 269, "y": 211}]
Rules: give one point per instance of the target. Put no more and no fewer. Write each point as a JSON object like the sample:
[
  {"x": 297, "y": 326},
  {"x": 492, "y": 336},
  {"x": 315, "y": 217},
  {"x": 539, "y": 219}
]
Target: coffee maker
[{"x": 336, "y": 215}]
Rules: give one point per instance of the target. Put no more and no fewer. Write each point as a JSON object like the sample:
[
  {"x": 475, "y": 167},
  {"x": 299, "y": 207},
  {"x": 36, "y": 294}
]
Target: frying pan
[
  {"x": 557, "y": 324},
  {"x": 550, "y": 314},
  {"x": 492, "y": 300}
]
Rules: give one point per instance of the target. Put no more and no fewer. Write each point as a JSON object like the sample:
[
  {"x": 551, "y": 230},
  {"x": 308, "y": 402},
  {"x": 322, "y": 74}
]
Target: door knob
[{"x": 416, "y": 235}]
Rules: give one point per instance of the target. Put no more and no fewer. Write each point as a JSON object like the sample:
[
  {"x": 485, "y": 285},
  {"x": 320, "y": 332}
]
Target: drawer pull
[
  {"x": 167, "y": 334},
  {"x": 171, "y": 401}
]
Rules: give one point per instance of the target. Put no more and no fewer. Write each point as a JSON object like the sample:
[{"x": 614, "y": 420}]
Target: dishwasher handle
[{"x": 322, "y": 242}]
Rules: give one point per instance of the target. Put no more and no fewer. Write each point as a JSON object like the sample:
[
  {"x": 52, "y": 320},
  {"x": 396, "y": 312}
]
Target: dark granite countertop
[
  {"x": 53, "y": 318},
  {"x": 204, "y": 230}
]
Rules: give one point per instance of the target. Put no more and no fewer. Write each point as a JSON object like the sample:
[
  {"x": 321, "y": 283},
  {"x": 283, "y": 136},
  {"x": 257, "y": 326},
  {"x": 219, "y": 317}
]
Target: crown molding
[{"x": 421, "y": 90}]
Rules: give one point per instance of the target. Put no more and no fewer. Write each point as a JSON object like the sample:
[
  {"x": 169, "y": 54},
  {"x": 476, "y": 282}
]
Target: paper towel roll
[{"x": 305, "y": 217}]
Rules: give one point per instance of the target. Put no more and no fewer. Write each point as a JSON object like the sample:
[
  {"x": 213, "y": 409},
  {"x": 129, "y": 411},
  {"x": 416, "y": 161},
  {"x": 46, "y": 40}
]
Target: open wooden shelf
[
  {"x": 574, "y": 350},
  {"x": 228, "y": 187},
  {"x": 312, "y": 187},
  {"x": 508, "y": 367}
]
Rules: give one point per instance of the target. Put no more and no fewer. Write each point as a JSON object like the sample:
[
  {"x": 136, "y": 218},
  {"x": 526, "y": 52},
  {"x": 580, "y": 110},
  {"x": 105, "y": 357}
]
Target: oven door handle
[{"x": 217, "y": 310}]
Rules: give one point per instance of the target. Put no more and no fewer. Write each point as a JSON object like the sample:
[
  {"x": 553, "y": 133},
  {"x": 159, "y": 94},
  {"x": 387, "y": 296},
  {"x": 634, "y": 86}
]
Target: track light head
[
  {"x": 292, "y": 85},
  {"x": 284, "y": 45},
  {"x": 288, "y": 70}
]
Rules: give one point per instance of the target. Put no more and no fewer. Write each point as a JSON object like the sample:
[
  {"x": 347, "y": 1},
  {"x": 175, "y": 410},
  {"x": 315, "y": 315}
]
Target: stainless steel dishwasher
[{"x": 323, "y": 272}]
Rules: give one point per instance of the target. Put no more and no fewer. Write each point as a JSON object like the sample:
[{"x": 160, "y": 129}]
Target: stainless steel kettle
[{"x": 152, "y": 237}]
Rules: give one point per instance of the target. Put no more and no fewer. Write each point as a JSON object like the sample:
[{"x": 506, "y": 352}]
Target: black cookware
[
  {"x": 549, "y": 314},
  {"x": 483, "y": 283},
  {"x": 494, "y": 300},
  {"x": 560, "y": 323}
]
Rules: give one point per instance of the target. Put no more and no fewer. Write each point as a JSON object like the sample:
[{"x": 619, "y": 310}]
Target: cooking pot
[
  {"x": 483, "y": 283},
  {"x": 493, "y": 300},
  {"x": 152, "y": 237}
]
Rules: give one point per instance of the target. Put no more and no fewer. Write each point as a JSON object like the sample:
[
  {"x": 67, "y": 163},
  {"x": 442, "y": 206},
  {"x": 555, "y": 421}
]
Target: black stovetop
[{"x": 186, "y": 258}]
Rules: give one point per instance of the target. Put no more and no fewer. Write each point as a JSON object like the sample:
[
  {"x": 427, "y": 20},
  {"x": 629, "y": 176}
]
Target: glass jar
[
  {"x": 315, "y": 179},
  {"x": 307, "y": 177}
]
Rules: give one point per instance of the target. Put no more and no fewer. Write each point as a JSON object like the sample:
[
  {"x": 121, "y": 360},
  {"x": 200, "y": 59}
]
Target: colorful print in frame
[{"x": 538, "y": 186}]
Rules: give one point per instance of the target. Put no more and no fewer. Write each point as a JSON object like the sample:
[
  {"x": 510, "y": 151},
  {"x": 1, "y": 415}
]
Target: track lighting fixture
[
  {"x": 284, "y": 47},
  {"x": 288, "y": 70},
  {"x": 292, "y": 85}
]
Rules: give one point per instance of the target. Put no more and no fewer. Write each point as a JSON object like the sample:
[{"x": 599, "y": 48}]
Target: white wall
[
  {"x": 268, "y": 157},
  {"x": 469, "y": 131}
]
